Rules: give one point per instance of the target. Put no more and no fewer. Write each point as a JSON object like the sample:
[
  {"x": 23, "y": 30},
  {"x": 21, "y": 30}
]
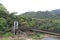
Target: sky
[{"x": 22, "y": 6}]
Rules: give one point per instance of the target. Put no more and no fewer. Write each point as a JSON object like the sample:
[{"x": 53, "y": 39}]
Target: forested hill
[
  {"x": 26, "y": 22},
  {"x": 57, "y": 11},
  {"x": 44, "y": 14}
]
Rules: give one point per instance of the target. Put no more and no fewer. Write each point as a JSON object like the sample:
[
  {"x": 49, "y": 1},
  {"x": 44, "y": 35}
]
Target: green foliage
[
  {"x": 2, "y": 8},
  {"x": 36, "y": 36},
  {"x": 2, "y": 23},
  {"x": 7, "y": 34},
  {"x": 42, "y": 15},
  {"x": 43, "y": 20}
]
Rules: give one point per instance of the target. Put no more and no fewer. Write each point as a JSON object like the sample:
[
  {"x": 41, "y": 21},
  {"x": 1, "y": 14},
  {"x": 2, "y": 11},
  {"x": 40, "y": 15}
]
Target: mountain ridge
[{"x": 54, "y": 14}]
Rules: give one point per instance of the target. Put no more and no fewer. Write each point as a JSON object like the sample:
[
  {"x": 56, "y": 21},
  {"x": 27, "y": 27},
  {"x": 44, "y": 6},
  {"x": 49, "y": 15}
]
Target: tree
[
  {"x": 2, "y": 7},
  {"x": 3, "y": 26}
]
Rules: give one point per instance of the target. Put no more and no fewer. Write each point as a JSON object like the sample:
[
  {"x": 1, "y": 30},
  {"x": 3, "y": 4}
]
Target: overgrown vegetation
[{"x": 47, "y": 21}]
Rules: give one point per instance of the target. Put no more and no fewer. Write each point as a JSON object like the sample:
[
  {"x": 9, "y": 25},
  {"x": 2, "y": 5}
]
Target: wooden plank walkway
[{"x": 51, "y": 33}]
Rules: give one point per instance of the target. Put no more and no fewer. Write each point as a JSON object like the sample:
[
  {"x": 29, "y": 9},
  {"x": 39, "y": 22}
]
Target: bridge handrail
[{"x": 46, "y": 32}]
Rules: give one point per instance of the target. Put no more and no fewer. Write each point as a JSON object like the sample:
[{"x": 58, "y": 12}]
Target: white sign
[{"x": 15, "y": 24}]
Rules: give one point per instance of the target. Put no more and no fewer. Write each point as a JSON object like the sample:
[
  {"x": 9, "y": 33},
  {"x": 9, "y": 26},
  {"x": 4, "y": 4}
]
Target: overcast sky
[{"x": 22, "y": 6}]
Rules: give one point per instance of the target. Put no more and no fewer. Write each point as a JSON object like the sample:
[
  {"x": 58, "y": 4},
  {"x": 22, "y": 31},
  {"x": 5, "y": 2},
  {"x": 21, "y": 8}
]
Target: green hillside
[{"x": 42, "y": 15}]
